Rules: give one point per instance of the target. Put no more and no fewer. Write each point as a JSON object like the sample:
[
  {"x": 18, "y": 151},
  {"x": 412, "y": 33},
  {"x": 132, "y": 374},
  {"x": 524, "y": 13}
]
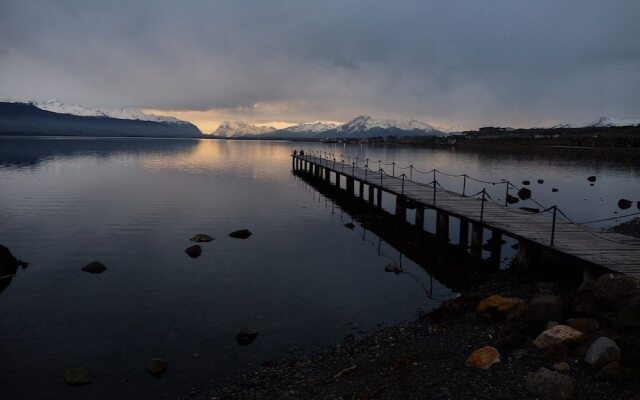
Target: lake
[{"x": 302, "y": 280}]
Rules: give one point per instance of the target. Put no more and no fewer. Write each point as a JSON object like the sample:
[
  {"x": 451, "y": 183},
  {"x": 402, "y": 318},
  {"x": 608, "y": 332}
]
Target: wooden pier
[{"x": 534, "y": 232}]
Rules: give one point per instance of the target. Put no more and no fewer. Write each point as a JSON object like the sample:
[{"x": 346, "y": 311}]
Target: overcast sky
[{"x": 451, "y": 63}]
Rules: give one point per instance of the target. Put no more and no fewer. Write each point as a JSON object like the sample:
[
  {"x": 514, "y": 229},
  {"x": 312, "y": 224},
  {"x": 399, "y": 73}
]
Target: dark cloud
[{"x": 456, "y": 62}]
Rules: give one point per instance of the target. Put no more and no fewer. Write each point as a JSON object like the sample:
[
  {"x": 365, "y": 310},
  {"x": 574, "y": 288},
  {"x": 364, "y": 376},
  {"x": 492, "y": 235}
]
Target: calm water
[{"x": 302, "y": 280}]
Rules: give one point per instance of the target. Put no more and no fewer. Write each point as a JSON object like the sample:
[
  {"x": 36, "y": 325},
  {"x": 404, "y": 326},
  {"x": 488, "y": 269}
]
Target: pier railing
[{"x": 340, "y": 162}]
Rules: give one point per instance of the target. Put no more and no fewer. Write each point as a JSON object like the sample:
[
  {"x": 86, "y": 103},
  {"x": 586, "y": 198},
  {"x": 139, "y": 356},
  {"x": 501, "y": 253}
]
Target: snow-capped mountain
[
  {"x": 365, "y": 123},
  {"x": 54, "y": 118},
  {"x": 606, "y": 122},
  {"x": 241, "y": 128},
  {"x": 603, "y": 122},
  {"x": 118, "y": 113},
  {"x": 310, "y": 127}
]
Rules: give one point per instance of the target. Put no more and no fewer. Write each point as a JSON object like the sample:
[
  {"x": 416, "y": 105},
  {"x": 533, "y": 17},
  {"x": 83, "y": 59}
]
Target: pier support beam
[
  {"x": 350, "y": 186},
  {"x": 442, "y": 227},
  {"x": 337, "y": 180},
  {"x": 379, "y": 199},
  {"x": 463, "y": 240},
  {"x": 528, "y": 256},
  {"x": 420, "y": 218},
  {"x": 401, "y": 209},
  {"x": 327, "y": 175},
  {"x": 477, "y": 231},
  {"x": 361, "y": 190},
  {"x": 496, "y": 248},
  {"x": 371, "y": 195}
]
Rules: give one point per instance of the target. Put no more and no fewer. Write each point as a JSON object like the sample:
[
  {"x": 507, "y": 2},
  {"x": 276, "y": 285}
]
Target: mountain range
[
  {"x": 359, "y": 127},
  {"x": 54, "y": 118}
]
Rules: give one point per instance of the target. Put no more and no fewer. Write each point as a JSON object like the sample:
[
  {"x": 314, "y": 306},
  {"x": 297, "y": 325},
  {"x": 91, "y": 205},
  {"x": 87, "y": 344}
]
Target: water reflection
[{"x": 30, "y": 152}]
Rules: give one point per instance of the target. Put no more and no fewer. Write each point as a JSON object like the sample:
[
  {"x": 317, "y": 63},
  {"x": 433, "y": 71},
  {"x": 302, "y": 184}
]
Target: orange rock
[
  {"x": 483, "y": 358},
  {"x": 498, "y": 307}
]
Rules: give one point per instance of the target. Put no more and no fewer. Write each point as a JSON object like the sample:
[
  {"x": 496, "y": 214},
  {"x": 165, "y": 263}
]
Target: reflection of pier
[
  {"x": 447, "y": 264},
  {"x": 535, "y": 232}
]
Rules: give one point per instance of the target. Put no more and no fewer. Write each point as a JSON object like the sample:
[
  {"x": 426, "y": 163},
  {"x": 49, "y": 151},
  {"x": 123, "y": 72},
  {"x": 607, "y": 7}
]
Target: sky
[{"x": 452, "y": 63}]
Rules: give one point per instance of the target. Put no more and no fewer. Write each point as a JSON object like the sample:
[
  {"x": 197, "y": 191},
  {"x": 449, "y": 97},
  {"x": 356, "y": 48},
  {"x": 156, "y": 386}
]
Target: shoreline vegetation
[{"x": 505, "y": 336}]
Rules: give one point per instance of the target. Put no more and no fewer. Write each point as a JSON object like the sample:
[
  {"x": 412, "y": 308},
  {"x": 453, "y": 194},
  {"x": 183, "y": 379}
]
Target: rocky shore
[{"x": 503, "y": 339}]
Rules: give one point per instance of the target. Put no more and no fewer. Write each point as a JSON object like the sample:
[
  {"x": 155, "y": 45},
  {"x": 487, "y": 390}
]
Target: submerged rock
[
  {"x": 77, "y": 376},
  {"x": 483, "y": 358},
  {"x": 550, "y": 385},
  {"x": 240, "y": 234},
  {"x": 157, "y": 367},
  {"x": 526, "y": 182},
  {"x": 602, "y": 352},
  {"x": 194, "y": 251},
  {"x": 95, "y": 267},
  {"x": 498, "y": 307},
  {"x": 592, "y": 178},
  {"x": 246, "y": 336},
  {"x": 202, "y": 238},
  {"x": 554, "y": 190},
  {"x": 540, "y": 181},
  {"x": 558, "y": 335}
]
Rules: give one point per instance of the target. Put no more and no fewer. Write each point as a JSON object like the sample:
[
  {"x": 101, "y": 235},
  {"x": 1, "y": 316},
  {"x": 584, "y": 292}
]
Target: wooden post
[
  {"x": 463, "y": 241},
  {"x": 327, "y": 175},
  {"x": 401, "y": 209},
  {"x": 371, "y": 194},
  {"x": 293, "y": 163},
  {"x": 420, "y": 217},
  {"x": 442, "y": 227},
  {"x": 361, "y": 190},
  {"x": 476, "y": 239},
  {"x": 350, "y": 185},
  {"x": 338, "y": 180},
  {"x": 379, "y": 199}
]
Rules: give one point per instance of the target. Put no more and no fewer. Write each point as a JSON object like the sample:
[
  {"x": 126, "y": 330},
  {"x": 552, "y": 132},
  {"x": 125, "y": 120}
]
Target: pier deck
[{"x": 611, "y": 251}]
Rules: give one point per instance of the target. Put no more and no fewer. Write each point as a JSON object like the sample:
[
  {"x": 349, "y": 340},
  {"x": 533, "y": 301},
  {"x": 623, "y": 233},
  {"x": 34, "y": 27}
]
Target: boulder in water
[
  {"x": 524, "y": 194},
  {"x": 202, "y": 238},
  {"x": 157, "y": 367},
  {"x": 240, "y": 234},
  {"x": 393, "y": 268},
  {"x": 246, "y": 336},
  {"x": 624, "y": 204},
  {"x": 554, "y": 190},
  {"x": 77, "y": 377},
  {"x": 194, "y": 251},
  {"x": 95, "y": 267},
  {"x": 540, "y": 181},
  {"x": 526, "y": 183},
  {"x": 592, "y": 178},
  {"x": 512, "y": 199},
  {"x": 8, "y": 261}
]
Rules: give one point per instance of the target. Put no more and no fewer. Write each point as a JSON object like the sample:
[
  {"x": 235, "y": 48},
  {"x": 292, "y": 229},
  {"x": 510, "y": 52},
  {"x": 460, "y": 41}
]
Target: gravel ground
[{"x": 424, "y": 359}]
